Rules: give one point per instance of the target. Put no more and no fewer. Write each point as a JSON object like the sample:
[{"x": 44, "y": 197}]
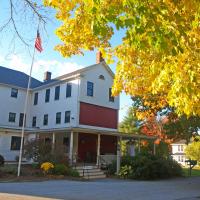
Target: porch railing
[
  {"x": 76, "y": 159},
  {"x": 105, "y": 160}
]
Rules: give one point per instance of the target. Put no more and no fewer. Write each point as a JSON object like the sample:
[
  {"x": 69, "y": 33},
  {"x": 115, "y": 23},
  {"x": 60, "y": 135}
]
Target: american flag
[{"x": 38, "y": 42}]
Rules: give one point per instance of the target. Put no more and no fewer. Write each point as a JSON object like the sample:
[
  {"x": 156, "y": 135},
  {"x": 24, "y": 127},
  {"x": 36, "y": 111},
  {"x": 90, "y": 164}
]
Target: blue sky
[{"x": 13, "y": 54}]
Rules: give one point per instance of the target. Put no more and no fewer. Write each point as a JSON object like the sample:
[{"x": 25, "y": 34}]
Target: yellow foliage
[
  {"x": 46, "y": 166},
  {"x": 159, "y": 53}
]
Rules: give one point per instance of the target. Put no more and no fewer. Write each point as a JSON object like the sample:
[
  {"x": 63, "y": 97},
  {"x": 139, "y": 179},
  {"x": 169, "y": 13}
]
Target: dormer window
[{"x": 101, "y": 77}]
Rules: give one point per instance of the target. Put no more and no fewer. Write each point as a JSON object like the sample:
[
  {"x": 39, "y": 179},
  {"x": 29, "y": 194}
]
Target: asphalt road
[{"x": 107, "y": 189}]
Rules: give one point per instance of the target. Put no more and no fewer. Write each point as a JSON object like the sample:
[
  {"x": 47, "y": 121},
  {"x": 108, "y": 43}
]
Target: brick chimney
[
  {"x": 99, "y": 57},
  {"x": 47, "y": 76}
]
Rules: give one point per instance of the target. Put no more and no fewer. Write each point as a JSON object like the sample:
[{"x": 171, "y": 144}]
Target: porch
[{"x": 90, "y": 146}]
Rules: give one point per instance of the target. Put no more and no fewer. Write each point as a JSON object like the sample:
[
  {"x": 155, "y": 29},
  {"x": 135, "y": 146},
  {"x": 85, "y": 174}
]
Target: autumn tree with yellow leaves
[{"x": 159, "y": 54}]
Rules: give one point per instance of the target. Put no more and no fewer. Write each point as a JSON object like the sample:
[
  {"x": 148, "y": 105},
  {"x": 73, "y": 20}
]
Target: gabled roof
[
  {"x": 16, "y": 78},
  {"x": 85, "y": 69},
  {"x": 73, "y": 74},
  {"x": 20, "y": 79}
]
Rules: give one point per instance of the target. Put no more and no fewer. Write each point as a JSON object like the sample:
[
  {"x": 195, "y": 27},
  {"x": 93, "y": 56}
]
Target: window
[
  {"x": 12, "y": 117},
  {"x": 36, "y": 98},
  {"x": 21, "y": 118},
  {"x": 66, "y": 141},
  {"x": 111, "y": 98},
  {"x": 57, "y": 92},
  {"x": 101, "y": 77},
  {"x": 47, "y": 140},
  {"x": 58, "y": 117},
  {"x": 67, "y": 116},
  {"x": 90, "y": 87},
  {"x": 181, "y": 147},
  {"x": 47, "y": 95},
  {"x": 14, "y": 92},
  {"x": 69, "y": 90},
  {"x": 182, "y": 159},
  {"x": 179, "y": 158},
  {"x": 15, "y": 143},
  {"x": 45, "y": 121},
  {"x": 34, "y": 121}
]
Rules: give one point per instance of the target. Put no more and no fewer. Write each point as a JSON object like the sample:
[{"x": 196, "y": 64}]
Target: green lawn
[{"x": 195, "y": 172}]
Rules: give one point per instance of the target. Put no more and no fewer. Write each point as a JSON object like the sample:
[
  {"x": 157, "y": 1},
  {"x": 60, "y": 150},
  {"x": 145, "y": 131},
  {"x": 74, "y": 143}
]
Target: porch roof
[
  {"x": 79, "y": 130},
  {"x": 98, "y": 131},
  {"x": 113, "y": 133},
  {"x": 14, "y": 129}
]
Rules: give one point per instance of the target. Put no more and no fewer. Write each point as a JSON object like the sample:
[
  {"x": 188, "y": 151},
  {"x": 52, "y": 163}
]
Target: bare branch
[
  {"x": 22, "y": 15},
  {"x": 5, "y": 25},
  {"x": 14, "y": 25},
  {"x": 31, "y": 5}
]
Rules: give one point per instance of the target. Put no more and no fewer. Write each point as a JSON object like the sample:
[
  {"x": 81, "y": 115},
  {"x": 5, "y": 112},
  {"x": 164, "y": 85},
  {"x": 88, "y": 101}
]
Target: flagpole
[{"x": 24, "y": 118}]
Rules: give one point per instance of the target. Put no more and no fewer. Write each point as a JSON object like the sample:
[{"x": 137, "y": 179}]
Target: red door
[{"x": 87, "y": 147}]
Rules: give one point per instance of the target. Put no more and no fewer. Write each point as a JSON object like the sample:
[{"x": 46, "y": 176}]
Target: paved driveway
[{"x": 175, "y": 189}]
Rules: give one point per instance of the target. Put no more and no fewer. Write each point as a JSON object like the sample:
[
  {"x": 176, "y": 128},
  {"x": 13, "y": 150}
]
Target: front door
[{"x": 87, "y": 147}]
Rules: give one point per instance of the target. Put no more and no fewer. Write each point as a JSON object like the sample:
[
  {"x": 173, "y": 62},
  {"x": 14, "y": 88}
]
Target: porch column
[
  {"x": 98, "y": 149},
  {"x": 71, "y": 147},
  {"x": 119, "y": 154},
  {"x": 154, "y": 148},
  {"x": 139, "y": 148},
  {"x": 53, "y": 142}
]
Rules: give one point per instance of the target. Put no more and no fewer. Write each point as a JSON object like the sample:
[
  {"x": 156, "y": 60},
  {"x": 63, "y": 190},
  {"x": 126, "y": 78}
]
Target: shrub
[
  {"x": 41, "y": 152},
  {"x": 47, "y": 167},
  {"x": 60, "y": 169},
  {"x": 126, "y": 171},
  {"x": 59, "y": 156},
  {"x": 35, "y": 165},
  {"x": 72, "y": 172},
  {"x": 112, "y": 168},
  {"x": 149, "y": 167},
  {"x": 127, "y": 160},
  {"x": 37, "y": 150},
  {"x": 1, "y": 160},
  {"x": 9, "y": 169},
  {"x": 1, "y": 174}
]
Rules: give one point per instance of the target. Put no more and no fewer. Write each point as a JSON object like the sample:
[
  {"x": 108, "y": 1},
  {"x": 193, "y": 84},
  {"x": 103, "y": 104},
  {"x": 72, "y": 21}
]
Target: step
[
  {"x": 86, "y": 167},
  {"x": 91, "y": 174},
  {"x": 88, "y": 170},
  {"x": 96, "y": 177}
]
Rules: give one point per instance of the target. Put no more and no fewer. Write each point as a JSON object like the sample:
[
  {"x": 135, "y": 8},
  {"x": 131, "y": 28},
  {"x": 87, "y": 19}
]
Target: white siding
[
  {"x": 178, "y": 148},
  {"x": 101, "y": 87},
  {"x": 5, "y": 145},
  {"x": 54, "y": 106},
  {"x": 79, "y": 93},
  {"x": 178, "y": 153},
  {"x": 11, "y": 104}
]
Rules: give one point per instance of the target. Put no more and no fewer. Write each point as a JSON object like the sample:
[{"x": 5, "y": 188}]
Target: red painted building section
[
  {"x": 108, "y": 145},
  {"x": 94, "y": 115},
  {"x": 87, "y": 146}
]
